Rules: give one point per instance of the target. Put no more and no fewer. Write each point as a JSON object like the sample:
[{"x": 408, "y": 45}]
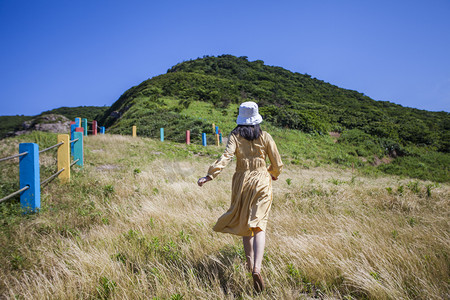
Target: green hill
[
  {"x": 288, "y": 99},
  {"x": 196, "y": 93},
  {"x": 14, "y": 123}
]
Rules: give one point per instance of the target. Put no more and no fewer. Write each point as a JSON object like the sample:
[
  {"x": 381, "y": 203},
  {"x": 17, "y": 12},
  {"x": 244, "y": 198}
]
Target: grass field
[{"x": 133, "y": 224}]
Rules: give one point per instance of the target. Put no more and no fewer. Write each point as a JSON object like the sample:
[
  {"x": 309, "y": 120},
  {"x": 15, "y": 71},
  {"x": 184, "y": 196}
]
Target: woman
[{"x": 251, "y": 196}]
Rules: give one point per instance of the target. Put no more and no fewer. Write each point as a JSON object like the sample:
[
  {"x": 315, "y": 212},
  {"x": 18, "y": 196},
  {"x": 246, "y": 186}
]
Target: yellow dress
[{"x": 251, "y": 196}]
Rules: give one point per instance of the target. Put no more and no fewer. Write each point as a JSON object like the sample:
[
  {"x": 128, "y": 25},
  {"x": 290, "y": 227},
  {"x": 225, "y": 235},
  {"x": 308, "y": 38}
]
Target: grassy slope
[
  {"x": 297, "y": 147},
  {"x": 133, "y": 224}
]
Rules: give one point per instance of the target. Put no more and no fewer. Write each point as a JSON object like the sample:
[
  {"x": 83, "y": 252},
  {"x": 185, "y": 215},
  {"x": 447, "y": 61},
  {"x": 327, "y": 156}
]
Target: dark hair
[{"x": 248, "y": 132}]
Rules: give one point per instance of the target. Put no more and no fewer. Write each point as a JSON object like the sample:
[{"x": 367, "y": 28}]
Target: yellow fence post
[
  {"x": 64, "y": 157},
  {"x": 217, "y": 140},
  {"x": 214, "y": 128},
  {"x": 134, "y": 131}
]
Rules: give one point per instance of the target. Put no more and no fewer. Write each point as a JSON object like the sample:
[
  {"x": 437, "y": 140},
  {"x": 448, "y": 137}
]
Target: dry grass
[{"x": 133, "y": 225}]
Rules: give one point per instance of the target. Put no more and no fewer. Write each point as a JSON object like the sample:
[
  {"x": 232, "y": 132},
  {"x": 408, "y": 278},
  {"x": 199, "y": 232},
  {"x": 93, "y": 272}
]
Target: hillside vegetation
[
  {"x": 10, "y": 124},
  {"x": 88, "y": 112},
  {"x": 133, "y": 224},
  {"x": 369, "y": 134}
]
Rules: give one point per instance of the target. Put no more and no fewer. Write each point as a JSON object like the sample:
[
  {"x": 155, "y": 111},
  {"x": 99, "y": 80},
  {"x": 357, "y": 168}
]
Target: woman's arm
[
  {"x": 221, "y": 163},
  {"x": 274, "y": 156}
]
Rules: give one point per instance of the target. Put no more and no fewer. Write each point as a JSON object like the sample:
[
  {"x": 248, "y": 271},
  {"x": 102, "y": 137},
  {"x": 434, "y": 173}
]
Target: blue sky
[{"x": 57, "y": 53}]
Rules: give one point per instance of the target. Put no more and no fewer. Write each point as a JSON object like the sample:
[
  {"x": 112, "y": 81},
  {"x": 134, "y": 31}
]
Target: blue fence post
[
  {"x": 30, "y": 200},
  {"x": 72, "y": 131},
  {"x": 78, "y": 122},
  {"x": 220, "y": 137},
  {"x": 162, "y": 134},
  {"x": 84, "y": 125},
  {"x": 102, "y": 129},
  {"x": 204, "y": 139},
  {"x": 217, "y": 129},
  {"x": 78, "y": 148}
]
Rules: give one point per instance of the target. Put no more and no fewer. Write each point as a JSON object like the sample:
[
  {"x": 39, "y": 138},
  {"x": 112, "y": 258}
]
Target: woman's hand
[{"x": 203, "y": 180}]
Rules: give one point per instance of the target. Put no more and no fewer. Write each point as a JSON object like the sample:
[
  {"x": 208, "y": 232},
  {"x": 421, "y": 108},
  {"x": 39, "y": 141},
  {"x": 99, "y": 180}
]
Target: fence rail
[
  {"x": 30, "y": 182},
  {"x": 14, "y": 156},
  {"x": 51, "y": 177},
  {"x": 75, "y": 162},
  {"x": 15, "y": 193},
  {"x": 217, "y": 134},
  {"x": 51, "y": 147},
  {"x": 29, "y": 166}
]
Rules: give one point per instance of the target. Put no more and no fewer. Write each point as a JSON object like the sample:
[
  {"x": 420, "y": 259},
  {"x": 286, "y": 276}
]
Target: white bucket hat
[{"x": 248, "y": 114}]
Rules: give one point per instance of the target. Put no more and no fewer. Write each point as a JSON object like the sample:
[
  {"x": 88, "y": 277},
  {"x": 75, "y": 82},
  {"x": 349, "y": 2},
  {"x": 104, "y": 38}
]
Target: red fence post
[{"x": 94, "y": 127}]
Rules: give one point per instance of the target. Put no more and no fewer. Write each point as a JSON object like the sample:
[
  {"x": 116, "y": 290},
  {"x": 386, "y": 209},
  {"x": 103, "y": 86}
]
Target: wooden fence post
[
  {"x": 64, "y": 158},
  {"x": 70, "y": 125},
  {"x": 94, "y": 127},
  {"x": 134, "y": 131},
  {"x": 78, "y": 122},
  {"x": 204, "y": 139},
  {"x": 162, "y": 134},
  {"x": 85, "y": 126},
  {"x": 30, "y": 200},
  {"x": 188, "y": 137},
  {"x": 102, "y": 129},
  {"x": 72, "y": 131},
  {"x": 78, "y": 148},
  {"x": 216, "y": 131}
]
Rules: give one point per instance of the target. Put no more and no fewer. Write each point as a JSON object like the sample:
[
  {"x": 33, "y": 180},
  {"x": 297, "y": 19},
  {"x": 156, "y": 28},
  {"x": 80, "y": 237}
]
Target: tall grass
[{"x": 133, "y": 224}]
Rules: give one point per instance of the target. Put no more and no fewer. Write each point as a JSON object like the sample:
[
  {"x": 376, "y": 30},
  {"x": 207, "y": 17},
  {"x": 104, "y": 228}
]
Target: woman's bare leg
[
  {"x": 259, "y": 242},
  {"x": 248, "y": 248}
]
